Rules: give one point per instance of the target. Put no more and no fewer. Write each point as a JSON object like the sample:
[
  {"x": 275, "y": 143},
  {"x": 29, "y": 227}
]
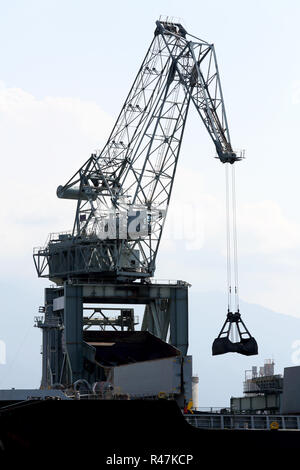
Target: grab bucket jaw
[{"x": 246, "y": 345}]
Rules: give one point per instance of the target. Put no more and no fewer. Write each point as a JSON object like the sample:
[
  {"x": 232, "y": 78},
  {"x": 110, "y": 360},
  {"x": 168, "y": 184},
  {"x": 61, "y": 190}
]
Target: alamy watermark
[
  {"x": 2, "y": 352},
  {"x": 296, "y": 353},
  {"x": 296, "y": 92},
  {"x": 138, "y": 222}
]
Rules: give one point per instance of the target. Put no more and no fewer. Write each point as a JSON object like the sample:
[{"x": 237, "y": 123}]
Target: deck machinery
[{"x": 122, "y": 195}]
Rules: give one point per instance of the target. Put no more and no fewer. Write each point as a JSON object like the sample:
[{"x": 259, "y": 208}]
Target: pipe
[{"x": 74, "y": 193}]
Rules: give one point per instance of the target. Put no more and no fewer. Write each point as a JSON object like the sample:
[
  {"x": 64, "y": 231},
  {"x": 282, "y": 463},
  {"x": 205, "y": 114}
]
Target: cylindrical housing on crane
[{"x": 73, "y": 193}]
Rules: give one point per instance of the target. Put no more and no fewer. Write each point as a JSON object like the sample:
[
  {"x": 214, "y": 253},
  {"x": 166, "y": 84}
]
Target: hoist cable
[
  {"x": 228, "y": 237},
  {"x": 234, "y": 235},
  {"x": 231, "y": 234}
]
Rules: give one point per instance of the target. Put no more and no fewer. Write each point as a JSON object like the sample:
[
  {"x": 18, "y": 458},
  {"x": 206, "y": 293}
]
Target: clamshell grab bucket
[{"x": 246, "y": 344}]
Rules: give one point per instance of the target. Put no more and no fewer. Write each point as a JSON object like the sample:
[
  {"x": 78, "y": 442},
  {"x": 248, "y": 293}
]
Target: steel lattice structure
[{"x": 123, "y": 192}]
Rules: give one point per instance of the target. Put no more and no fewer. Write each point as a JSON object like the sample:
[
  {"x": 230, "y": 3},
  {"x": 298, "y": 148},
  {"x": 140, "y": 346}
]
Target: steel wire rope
[
  {"x": 234, "y": 235},
  {"x": 228, "y": 248}
]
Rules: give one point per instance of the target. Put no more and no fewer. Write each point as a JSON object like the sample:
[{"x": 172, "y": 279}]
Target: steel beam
[{"x": 73, "y": 328}]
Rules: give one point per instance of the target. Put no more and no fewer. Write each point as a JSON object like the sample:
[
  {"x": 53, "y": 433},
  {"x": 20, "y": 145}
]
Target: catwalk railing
[{"x": 238, "y": 421}]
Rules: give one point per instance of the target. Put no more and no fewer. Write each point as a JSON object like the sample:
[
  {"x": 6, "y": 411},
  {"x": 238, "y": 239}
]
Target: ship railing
[
  {"x": 212, "y": 409},
  {"x": 243, "y": 421}
]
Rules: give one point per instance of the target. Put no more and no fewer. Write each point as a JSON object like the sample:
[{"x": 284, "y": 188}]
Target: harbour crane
[{"x": 123, "y": 191}]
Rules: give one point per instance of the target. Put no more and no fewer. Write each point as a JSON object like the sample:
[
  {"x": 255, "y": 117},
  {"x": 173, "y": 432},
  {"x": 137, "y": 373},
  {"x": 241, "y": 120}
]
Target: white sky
[{"x": 66, "y": 67}]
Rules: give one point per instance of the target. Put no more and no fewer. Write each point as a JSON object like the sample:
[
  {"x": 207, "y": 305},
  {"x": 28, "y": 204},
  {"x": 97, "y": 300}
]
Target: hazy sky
[{"x": 66, "y": 67}]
